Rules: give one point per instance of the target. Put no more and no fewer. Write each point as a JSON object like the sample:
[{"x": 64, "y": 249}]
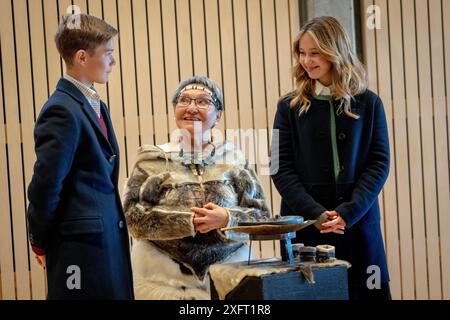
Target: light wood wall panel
[
  {"x": 243, "y": 45},
  {"x": 12, "y": 104},
  {"x": 6, "y": 247},
  {"x": 408, "y": 66}
]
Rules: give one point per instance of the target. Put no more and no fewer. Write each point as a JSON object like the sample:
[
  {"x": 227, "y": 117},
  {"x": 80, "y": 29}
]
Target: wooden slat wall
[
  {"x": 243, "y": 45},
  {"x": 408, "y": 66}
]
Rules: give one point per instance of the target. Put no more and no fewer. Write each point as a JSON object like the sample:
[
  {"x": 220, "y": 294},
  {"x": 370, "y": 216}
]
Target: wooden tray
[
  {"x": 270, "y": 229},
  {"x": 277, "y": 220}
]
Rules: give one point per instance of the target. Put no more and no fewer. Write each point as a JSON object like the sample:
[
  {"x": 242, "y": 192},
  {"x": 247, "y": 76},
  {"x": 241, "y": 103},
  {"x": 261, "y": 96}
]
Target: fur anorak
[{"x": 164, "y": 185}]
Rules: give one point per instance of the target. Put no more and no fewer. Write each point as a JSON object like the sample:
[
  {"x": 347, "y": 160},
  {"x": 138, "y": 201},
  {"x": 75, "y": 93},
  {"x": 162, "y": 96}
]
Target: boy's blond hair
[{"x": 81, "y": 31}]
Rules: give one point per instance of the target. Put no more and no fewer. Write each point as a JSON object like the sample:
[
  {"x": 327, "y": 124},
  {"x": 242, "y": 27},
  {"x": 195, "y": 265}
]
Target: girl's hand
[{"x": 334, "y": 224}]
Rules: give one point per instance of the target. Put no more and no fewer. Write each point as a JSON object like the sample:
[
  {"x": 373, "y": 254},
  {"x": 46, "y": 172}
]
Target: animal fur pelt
[{"x": 201, "y": 251}]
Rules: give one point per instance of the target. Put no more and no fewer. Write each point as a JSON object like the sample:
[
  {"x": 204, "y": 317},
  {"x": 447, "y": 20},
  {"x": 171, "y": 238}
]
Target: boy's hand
[{"x": 41, "y": 260}]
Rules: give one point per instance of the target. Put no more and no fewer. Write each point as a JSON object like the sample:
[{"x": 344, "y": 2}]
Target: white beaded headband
[{"x": 197, "y": 87}]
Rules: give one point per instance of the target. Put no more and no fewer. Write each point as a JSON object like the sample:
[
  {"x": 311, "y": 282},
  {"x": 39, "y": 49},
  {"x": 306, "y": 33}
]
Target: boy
[{"x": 76, "y": 224}]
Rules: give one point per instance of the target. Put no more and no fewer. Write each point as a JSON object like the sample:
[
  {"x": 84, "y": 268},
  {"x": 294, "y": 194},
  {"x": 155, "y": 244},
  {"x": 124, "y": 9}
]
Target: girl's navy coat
[
  {"x": 75, "y": 213},
  {"x": 302, "y": 171}
]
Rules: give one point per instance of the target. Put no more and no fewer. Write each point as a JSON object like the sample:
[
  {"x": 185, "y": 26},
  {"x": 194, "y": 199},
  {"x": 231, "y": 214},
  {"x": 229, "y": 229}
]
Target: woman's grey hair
[{"x": 217, "y": 95}]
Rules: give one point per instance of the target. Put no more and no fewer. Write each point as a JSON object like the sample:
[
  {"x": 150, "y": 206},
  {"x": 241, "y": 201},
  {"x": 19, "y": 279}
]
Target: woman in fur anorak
[{"x": 181, "y": 194}]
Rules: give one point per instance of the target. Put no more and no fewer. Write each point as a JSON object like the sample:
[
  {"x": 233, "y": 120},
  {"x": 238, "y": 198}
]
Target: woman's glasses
[{"x": 201, "y": 102}]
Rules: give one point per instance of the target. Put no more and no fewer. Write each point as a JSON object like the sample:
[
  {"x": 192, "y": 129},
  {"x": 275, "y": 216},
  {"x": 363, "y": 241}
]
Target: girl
[{"x": 337, "y": 128}]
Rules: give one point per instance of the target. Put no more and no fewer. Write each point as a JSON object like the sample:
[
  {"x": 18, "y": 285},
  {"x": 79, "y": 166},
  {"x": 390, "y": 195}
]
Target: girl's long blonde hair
[{"x": 347, "y": 72}]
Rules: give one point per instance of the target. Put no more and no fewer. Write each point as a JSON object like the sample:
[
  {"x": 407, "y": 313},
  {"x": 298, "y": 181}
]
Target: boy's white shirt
[{"x": 89, "y": 92}]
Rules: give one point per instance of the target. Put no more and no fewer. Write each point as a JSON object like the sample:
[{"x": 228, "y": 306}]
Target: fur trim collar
[{"x": 224, "y": 152}]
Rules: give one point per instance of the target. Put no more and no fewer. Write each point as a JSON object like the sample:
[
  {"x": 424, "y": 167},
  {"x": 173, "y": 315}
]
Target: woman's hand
[
  {"x": 334, "y": 224},
  {"x": 210, "y": 217}
]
